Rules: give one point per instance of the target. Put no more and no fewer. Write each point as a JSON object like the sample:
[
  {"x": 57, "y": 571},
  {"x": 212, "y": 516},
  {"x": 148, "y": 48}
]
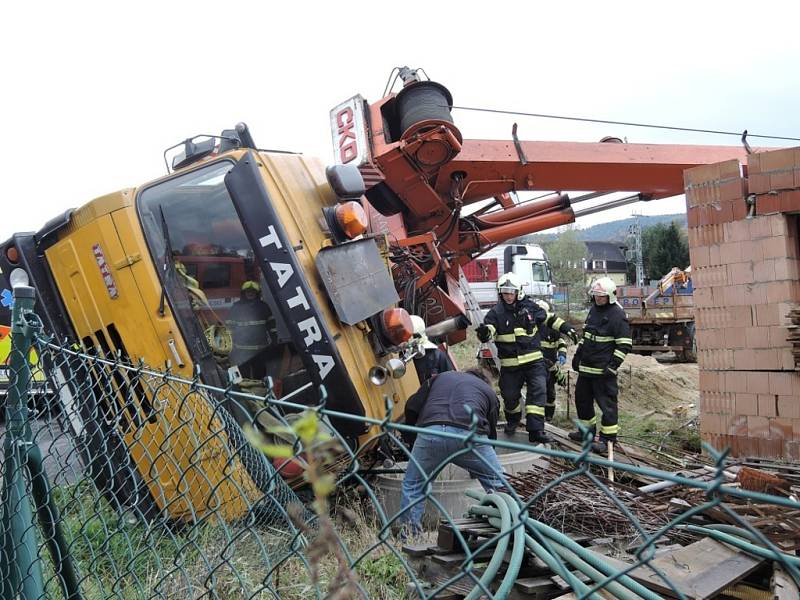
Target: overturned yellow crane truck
[{"x": 154, "y": 273}]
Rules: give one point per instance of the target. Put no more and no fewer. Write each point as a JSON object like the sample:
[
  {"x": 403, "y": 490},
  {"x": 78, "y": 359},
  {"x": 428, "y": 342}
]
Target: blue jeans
[{"x": 431, "y": 452}]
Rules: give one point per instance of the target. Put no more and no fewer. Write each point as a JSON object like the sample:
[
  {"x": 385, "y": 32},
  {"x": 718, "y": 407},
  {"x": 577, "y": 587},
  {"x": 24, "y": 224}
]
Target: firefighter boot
[
  {"x": 512, "y": 424},
  {"x": 577, "y": 436},
  {"x": 539, "y": 437},
  {"x": 601, "y": 446}
]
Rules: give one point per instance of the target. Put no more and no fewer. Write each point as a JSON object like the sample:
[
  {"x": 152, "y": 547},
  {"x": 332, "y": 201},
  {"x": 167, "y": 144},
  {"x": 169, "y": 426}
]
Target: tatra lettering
[
  {"x": 311, "y": 327},
  {"x": 271, "y": 239},
  {"x": 298, "y": 300},
  {"x": 284, "y": 272},
  {"x": 324, "y": 364}
]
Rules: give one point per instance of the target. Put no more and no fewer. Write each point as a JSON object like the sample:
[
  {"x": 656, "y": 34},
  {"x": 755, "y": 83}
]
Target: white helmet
[
  {"x": 604, "y": 287},
  {"x": 418, "y": 325},
  {"x": 545, "y": 305},
  {"x": 510, "y": 283}
]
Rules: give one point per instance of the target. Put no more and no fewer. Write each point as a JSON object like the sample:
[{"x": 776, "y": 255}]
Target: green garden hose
[{"x": 502, "y": 512}]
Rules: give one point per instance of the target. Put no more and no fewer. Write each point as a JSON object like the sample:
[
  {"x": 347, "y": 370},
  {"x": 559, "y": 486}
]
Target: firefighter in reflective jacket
[
  {"x": 253, "y": 330},
  {"x": 554, "y": 351},
  {"x": 605, "y": 342},
  {"x": 513, "y": 324}
]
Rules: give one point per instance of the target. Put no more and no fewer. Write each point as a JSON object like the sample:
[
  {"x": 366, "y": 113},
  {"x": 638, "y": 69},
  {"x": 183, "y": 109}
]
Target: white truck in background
[{"x": 528, "y": 261}]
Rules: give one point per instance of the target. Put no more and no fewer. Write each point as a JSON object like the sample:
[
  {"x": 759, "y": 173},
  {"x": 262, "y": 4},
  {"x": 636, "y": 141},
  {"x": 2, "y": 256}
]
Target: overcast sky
[{"x": 94, "y": 93}]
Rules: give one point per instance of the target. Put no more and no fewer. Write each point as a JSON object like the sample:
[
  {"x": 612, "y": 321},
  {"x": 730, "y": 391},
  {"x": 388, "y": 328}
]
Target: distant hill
[{"x": 613, "y": 231}]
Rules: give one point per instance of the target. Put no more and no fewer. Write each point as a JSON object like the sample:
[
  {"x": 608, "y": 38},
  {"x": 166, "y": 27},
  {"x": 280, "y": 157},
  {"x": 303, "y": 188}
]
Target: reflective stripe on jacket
[
  {"x": 515, "y": 330},
  {"x": 606, "y": 340}
]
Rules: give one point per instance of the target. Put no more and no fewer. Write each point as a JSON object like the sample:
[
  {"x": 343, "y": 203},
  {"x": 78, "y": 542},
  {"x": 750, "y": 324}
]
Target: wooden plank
[
  {"x": 535, "y": 585},
  {"x": 783, "y": 586},
  {"x": 415, "y": 551},
  {"x": 698, "y": 571}
]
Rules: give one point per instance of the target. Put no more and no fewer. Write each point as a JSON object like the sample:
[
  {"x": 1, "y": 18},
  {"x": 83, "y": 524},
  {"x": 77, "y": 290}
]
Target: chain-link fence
[{"x": 121, "y": 481}]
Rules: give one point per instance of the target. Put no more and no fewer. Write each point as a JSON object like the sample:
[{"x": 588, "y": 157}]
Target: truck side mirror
[{"x": 346, "y": 181}]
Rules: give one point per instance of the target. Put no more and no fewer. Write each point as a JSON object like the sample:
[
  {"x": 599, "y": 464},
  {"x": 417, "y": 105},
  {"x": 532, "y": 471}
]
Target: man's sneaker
[
  {"x": 511, "y": 427},
  {"x": 539, "y": 437}
]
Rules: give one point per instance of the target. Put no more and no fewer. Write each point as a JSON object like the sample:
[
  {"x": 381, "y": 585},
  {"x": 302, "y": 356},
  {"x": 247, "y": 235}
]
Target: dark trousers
[
  {"x": 534, "y": 378},
  {"x": 550, "y": 406},
  {"x": 604, "y": 391}
]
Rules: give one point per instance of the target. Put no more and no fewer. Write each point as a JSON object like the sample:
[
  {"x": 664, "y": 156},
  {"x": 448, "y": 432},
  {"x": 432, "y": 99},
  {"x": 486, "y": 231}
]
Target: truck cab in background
[{"x": 527, "y": 261}]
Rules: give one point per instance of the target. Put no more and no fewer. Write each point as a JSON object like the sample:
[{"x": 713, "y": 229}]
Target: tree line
[{"x": 663, "y": 246}]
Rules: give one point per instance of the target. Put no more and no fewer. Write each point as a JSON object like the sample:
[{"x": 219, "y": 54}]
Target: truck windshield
[
  {"x": 540, "y": 272},
  {"x": 215, "y": 287}
]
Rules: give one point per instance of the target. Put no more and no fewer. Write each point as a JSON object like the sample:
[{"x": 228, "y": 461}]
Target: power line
[{"x": 607, "y": 122}]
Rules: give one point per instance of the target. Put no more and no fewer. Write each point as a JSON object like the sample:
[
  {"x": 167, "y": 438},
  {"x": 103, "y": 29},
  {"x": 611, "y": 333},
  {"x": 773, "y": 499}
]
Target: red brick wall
[{"x": 746, "y": 279}]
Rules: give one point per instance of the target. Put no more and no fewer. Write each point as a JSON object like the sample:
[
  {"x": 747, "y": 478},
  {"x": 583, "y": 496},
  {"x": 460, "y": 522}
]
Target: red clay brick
[
  {"x": 784, "y": 384},
  {"x": 782, "y": 179},
  {"x": 741, "y": 315},
  {"x": 703, "y": 297},
  {"x": 781, "y": 429},
  {"x": 767, "y": 405},
  {"x": 744, "y": 360},
  {"x": 709, "y": 381},
  {"x": 753, "y": 163},
  {"x": 779, "y": 225},
  {"x": 740, "y": 209},
  {"x": 741, "y": 272},
  {"x": 752, "y": 250},
  {"x": 775, "y": 247},
  {"x": 796, "y": 428},
  {"x": 761, "y": 227},
  {"x": 782, "y": 291},
  {"x": 699, "y": 256},
  {"x": 789, "y": 407},
  {"x": 792, "y": 451},
  {"x": 787, "y": 268},
  {"x": 786, "y": 359},
  {"x": 714, "y": 256},
  {"x": 757, "y": 382},
  {"x": 757, "y": 183},
  {"x": 732, "y": 189},
  {"x": 767, "y": 204},
  {"x": 736, "y": 381},
  {"x": 789, "y": 201},
  {"x": 746, "y": 404},
  {"x": 711, "y": 423},
  {"x": 769, "y": 448},
  {"x": 767, "y": 359},
  {"x": 756, "y": 337},
  {"x": 731, "y": 252},
  {"x": 767, "y": 314},
  {"x": 757, "y": 427},
  {"x": 735, "y": 337},
  {"x": 777, "y": 337},
  {"x": 737, "y": 425},
  {"x": 776, "y": 160},
  {"x": 764, "y": 270}
]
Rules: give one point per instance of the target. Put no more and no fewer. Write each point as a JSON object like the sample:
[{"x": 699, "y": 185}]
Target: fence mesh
[{"x": 120, "y": 481}]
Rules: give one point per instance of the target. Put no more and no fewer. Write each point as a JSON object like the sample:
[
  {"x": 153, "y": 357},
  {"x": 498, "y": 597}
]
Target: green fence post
[{"x": 23, "y": 571}]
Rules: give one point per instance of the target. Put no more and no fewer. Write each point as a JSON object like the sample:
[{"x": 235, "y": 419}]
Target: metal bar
[
  {"x": 23, "y": 577},
  {"x": 609, "y": 205}
]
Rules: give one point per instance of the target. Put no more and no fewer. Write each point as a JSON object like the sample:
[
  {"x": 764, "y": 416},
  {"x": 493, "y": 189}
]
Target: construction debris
[{"x": 713, "y": 553}]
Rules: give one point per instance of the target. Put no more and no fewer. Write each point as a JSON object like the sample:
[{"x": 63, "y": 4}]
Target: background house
[{"x": 606, "y": 259}]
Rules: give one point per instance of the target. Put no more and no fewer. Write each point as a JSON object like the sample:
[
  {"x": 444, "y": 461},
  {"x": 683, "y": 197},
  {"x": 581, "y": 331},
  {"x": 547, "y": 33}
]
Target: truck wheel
[{"x": 689, "y": 355}]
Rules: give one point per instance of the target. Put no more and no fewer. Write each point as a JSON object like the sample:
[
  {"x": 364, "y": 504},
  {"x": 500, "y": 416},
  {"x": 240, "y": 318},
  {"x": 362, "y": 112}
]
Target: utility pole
[{"x": 635, "y": 233}]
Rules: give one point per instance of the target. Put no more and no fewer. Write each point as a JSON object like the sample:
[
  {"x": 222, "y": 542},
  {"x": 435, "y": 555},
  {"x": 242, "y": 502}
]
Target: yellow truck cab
[{"x": 154, "y": 273}]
